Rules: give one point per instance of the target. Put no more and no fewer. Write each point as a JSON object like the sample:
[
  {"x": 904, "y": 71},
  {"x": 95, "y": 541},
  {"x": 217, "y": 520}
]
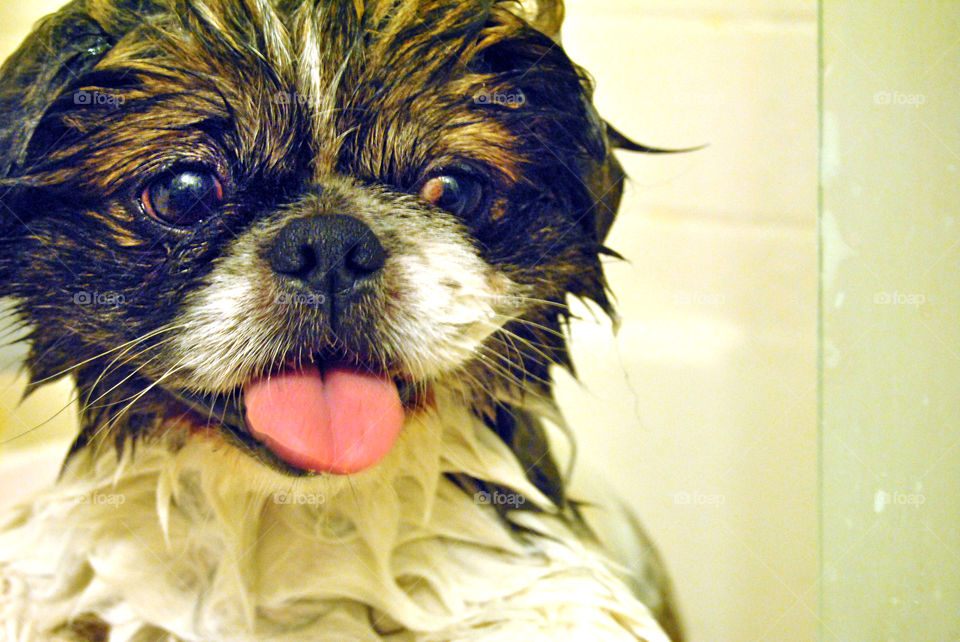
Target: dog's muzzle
[{"x": 312, "y": 412}]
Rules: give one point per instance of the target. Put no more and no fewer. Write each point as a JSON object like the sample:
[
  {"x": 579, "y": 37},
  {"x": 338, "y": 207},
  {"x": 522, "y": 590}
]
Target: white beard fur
[{"x": 208, "y": 544}]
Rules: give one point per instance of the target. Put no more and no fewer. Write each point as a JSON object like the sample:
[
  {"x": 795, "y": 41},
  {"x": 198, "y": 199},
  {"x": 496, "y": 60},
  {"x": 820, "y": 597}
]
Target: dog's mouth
[{"x": 313, "y": 419}]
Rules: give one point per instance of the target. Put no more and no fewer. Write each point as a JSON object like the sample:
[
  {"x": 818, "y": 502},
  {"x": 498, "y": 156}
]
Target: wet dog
[{"x": 308, "y": 264}]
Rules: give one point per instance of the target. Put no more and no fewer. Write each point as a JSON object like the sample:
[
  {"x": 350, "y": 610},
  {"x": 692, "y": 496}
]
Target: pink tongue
[{"x": 335, "y": 421}]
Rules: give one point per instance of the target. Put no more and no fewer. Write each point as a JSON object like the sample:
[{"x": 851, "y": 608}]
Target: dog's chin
[{"x": 309, "y": 419}]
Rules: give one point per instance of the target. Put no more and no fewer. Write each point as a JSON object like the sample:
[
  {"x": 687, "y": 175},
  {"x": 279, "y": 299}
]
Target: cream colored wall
[
  {"x": 891, "y": 321},
  {"x": 701, "y": 411}
]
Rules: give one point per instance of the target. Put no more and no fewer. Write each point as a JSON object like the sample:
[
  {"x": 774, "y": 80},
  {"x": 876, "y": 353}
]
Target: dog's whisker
[
  {"x": 91, "y": 404},
  {"x": 116, "y": 365},
  {"x": 100, "y": 355},
  {"x": 20, "y": 435},
  {"x": 517, "y": 340},
  {"x": 491, "y": 360},
  {"x": 83, "y": 406},
  {"x": 539, "y": 327},
  {"x": 521, "y": 301},
  {"x": 506, "y": 367},
  {"x": 107, "y": 427}
]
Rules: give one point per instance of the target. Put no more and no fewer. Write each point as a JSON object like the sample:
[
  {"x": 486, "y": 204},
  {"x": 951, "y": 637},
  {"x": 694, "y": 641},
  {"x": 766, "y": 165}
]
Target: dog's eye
[
  {"x": 183, "y": 198},
  {"x": 459, "y": 194}
]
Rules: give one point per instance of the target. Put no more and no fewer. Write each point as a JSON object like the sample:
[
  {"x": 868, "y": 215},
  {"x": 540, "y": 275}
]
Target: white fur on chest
[{"x": 207, "y": 544}]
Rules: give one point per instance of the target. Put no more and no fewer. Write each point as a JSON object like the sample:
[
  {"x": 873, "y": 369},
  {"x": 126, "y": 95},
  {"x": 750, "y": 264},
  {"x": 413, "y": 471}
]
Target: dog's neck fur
[{"x": 212, "y": 545}]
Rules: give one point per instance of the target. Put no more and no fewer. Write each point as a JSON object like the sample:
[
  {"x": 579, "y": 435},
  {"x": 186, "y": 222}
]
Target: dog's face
[{"x": 277, "y": 217}]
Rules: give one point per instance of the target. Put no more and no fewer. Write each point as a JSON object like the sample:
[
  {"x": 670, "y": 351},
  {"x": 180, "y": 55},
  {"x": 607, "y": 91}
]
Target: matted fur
[
  {"x": 307, "y": 109},
  {"x": 400, "y": 548}
]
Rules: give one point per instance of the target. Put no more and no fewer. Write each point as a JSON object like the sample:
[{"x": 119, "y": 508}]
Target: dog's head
[{"x": 280, "y": 216}]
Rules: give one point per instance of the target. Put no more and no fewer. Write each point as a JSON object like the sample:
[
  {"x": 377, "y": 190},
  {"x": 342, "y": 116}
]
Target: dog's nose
[{"x": 329, "y": 253}]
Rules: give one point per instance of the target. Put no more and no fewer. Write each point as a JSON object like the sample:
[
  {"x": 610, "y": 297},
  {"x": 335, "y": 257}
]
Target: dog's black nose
[{"x": 328, "y": 253}]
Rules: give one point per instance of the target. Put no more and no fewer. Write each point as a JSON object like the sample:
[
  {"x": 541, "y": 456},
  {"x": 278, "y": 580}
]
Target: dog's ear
[
  {"x": 544, "y": 15},
  {"x": 605, "y": 179},
  {"x": 62, "y": 47},
  {"x": 601, "y": 172}
]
